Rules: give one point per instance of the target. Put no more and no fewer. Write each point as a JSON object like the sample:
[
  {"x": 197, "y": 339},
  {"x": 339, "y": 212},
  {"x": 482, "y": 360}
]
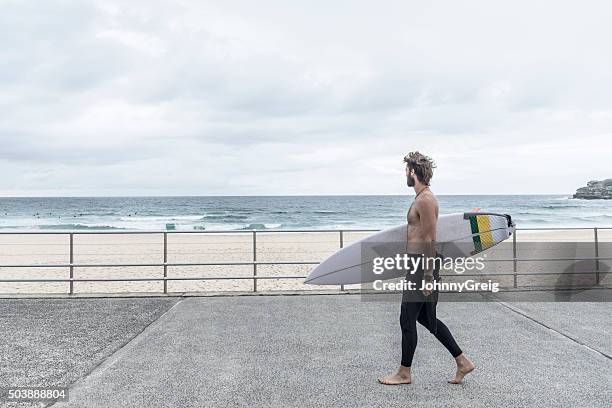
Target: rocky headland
[{"x": 595, "y": 190}]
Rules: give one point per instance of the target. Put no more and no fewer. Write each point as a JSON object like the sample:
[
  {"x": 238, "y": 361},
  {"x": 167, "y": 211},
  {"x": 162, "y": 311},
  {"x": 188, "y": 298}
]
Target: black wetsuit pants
[{"x": 423, "y": 312}]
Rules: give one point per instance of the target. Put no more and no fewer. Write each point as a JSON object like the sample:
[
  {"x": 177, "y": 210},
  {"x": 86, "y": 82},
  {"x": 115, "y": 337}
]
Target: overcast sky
[{"x": 309, "y": 97}]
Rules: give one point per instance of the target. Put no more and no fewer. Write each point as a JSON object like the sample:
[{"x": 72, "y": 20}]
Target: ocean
[{"x": 281, "y": 212}]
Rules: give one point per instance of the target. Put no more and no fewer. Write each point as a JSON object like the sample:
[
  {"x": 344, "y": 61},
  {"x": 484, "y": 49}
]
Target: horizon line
[{"x": 281, "y": 195}]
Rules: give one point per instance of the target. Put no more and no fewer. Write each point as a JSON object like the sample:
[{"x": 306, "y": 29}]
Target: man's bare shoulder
[{"x": 426, "y": 201}]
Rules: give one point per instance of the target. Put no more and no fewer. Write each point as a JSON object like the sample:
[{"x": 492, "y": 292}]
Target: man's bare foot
[
  {"x": 464, "y": 367},
  {"x": 401, "y": 377}
]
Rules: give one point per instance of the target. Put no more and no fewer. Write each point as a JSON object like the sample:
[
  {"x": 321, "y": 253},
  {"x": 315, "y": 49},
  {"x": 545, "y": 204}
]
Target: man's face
[{"x": 410, "y": 177}]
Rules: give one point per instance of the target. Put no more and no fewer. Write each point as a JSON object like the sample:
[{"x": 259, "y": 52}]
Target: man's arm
[{"x": 427, "y": 215}]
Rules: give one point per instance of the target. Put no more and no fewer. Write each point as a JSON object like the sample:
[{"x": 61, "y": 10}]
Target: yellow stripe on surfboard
[{"x": 484, "y": 227}]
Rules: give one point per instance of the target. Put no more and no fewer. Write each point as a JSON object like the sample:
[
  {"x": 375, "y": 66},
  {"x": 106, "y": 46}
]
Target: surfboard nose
[{"x": 311, "y": 279}]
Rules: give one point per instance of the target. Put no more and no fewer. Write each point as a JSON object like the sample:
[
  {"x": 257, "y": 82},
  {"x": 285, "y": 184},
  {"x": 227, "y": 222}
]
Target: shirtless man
[{"x": 421, "y": 305}]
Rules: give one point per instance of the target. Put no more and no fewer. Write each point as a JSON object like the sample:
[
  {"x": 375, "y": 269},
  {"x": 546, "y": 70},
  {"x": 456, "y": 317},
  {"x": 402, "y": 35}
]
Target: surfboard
[{"x": 458, "y": 235}]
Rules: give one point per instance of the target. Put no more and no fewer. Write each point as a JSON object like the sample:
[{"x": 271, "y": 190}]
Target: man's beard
[{"x": 410, "y": 181}]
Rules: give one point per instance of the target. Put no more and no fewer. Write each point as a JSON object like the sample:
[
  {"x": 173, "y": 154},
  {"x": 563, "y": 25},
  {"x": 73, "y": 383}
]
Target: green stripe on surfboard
[{"x": 475, "y": 236}]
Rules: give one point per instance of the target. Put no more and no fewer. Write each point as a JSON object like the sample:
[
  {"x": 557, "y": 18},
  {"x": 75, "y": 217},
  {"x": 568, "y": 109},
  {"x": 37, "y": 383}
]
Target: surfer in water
[{"x": 420, "y": 305}]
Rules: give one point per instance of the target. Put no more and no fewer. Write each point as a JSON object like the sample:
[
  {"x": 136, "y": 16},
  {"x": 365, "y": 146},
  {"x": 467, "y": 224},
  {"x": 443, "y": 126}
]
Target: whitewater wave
[
  {"x": 522, "y": 222},
  {"x": 161, "y": 218},
  {"x": 557, "y": 207},
  {"x": 258, "y": 226},
  {"x": 76, "y": 227},
  {"x": 593, "y": 217},
  {"x": 224, "y": 217}
]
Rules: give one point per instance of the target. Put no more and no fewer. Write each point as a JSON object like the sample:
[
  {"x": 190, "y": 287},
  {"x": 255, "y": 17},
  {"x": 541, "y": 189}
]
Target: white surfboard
[{"x": 457, "y": 235}]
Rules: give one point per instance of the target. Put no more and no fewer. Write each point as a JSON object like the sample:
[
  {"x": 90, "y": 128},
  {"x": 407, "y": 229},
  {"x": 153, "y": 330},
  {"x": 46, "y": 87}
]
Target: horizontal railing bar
[
  {"x": 99, "y": 232},
  {"x": 151, "y": 279},
  {"x": 98, "y": 244},
  {"x": 251, "y": 263},
  {"x": 520, "y": 273},
  {"x": 261, "y": 277},
  {"x": 547, "y": 259},
  {"x": 76, "y": 265},
  {"x": 558, "y": 228},
  {"x": 107, "y": 232}
]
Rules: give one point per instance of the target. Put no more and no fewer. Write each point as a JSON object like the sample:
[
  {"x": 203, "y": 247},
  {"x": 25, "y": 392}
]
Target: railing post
[
  {"x": 514, "y": 262},
  {"x": 165, "y": 262},
  {"x": 596, "y": 256},
  {"x": 254, "y": 260},
  {"x": 71, "y": 262},
  {"x": 341, "y": 246}
]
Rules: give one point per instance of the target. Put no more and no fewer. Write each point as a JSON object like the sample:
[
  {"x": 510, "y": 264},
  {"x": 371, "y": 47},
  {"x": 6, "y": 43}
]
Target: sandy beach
[{"x": 89, "y": 248}]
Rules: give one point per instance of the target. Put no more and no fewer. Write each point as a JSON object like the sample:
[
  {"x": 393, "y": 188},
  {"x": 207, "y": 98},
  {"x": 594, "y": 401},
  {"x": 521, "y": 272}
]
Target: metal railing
[{"x": 254, "y": 263}]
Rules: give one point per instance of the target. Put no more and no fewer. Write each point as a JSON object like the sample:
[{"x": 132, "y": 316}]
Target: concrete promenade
[{"x": 309, "y": 350}]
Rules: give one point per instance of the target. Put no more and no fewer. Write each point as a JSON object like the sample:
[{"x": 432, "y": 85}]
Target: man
[{"x": 420, "y": 305}]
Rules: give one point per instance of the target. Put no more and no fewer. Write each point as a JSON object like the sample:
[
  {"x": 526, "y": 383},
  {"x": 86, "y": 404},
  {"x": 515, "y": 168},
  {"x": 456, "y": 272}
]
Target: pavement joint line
[
  {"x": 106, "y": 362},
  {"x": 575, "y": 340}
]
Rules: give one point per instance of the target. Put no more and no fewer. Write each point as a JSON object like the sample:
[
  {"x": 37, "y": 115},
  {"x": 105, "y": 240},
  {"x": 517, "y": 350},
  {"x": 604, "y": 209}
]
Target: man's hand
[{"x": 426, "y": 292}]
